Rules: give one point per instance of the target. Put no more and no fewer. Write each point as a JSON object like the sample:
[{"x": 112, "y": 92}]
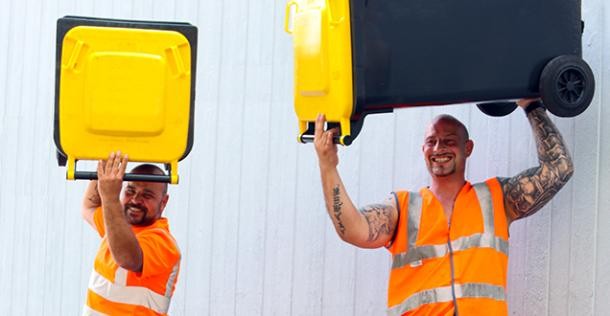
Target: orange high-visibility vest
[
  {"x": 117, "y": 291},
  {"x": 437, "y": 268}
]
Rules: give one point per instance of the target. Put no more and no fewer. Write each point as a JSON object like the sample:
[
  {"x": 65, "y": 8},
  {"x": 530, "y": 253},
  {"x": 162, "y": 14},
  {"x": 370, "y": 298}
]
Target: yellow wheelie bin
[{"x": 124, "y": 85}]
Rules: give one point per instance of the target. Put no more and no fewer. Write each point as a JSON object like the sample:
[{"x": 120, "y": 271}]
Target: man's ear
[
  {"x": 469, "y": 147},
  {"x": 164, "y": 201}
]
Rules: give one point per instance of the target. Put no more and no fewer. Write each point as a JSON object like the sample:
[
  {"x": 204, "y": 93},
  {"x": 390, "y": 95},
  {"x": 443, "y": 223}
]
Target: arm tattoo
[
  {"x": 95, "y": 198},
  {"x": 379, "y": 218},
  {"x": 529, "y": 191},
  {"x": 337, "y": 204}
]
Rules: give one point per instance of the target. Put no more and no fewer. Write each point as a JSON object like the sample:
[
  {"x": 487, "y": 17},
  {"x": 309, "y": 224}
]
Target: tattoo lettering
[
  {"x": 379, "y": 218},
  {"x": 337, "y": 204},
  {"x": 530, "y": 190}
]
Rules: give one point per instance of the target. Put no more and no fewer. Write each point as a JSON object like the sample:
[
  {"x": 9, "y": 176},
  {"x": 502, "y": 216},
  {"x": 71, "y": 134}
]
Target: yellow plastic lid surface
[{"x": 124, "y": 89}]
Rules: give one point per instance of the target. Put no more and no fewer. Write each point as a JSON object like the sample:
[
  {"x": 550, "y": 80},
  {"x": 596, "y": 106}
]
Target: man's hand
[
  {"x": 123, "y": 244},
  {"x": 110, "y": 176},
  {"x": 325, "y": 147}
]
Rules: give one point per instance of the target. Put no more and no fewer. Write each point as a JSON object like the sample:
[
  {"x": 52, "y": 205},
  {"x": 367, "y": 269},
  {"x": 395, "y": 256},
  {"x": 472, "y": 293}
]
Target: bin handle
[
  {"x": 289, "y": 6},
  {"x": 91, "y": 175},
  {"x": 342, "y": 139},
  {"x": 171, "y": 177}
]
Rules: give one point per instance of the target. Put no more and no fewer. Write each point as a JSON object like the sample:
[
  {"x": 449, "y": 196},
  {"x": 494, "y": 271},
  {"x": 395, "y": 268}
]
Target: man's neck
[{"x": 447, "y": 188}]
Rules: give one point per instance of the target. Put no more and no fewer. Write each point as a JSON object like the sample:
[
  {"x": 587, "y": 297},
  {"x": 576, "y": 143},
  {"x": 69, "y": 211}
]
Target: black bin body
[{"x": 429, "y": 52}]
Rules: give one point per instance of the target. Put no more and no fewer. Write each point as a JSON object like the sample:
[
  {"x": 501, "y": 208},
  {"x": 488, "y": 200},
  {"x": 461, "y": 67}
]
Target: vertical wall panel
[
  {"x": 602, "y": 251},
  {"x": 12, "y": 237},
  {"x": 5, "y": 25},
  {"x": 309, "y": 237},
  {"x": 248, "y": 213},
  {"x": 586, "y": 179},
  {"x": 255, "y": 154},
  {"x": 195, "y": 279},
  {"x": 39, "y": 116},
  {"x": 282, "y": 188},
  {"x": 228, "y": 158}
]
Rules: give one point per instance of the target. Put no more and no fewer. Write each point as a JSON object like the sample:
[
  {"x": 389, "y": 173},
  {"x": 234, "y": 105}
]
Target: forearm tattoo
[
  {"x": 379, "y": 218},
  {"x": 337, "y": 204},
  {"x": 95, "y": 198},
  {"x": 529, "y": 191}
]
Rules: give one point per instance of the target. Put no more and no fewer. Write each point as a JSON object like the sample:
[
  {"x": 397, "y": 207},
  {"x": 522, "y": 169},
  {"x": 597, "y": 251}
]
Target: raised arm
[
  {"x": 530, "y": 190},
  {"x": 368, "y": 227},
  {"x": 91, "y": 201},
  {"x": 124, "y": 246}
]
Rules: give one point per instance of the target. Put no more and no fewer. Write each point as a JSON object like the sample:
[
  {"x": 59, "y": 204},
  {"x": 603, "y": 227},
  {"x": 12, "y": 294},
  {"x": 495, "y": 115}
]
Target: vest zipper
[{"x": 455, "y": 312}]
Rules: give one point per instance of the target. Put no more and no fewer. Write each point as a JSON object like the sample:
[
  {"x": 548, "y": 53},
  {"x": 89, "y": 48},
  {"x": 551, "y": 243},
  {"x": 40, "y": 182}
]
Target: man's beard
[
  {"x": 137, "y": 218},
  {"x": 442, "y": 171}
]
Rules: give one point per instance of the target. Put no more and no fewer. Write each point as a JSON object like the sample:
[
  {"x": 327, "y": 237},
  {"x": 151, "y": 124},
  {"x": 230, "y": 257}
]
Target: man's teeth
[{"x": 440, "y": 159}]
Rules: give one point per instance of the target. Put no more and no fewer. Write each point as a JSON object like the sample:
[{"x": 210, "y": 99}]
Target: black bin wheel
[
  {"x": 497, "y": 109},
  {"x": 61, "y": 159},
  {"x": 567, "y": 86}
]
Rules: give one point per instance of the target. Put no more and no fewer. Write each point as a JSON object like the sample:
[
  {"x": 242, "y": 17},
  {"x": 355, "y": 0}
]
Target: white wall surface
[{"x": 248, "y": 213}]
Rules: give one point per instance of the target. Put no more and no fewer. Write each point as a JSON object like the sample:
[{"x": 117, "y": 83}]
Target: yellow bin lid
[{"x": 124, "y": 85}]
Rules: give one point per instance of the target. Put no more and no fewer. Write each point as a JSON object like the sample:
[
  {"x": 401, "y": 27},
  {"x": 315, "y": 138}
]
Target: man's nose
[
  {"x": 136, "y": 197},
  {"x": 438, "y": 145}
]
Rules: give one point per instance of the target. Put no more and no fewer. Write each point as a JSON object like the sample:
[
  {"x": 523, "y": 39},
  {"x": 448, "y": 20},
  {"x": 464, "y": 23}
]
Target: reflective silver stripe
[
  {"x": 443, "y": 295},
  {"x": 414, "y": 217},
  {"x": 480, "y": 241},
  {"x": 171, "y": 280},
  {"x": 436, "y": 251},
  {"x": 87, "y": 311},
  {"x": 134, "y": 295},
  {"x": 484, "y": 197},
  {"x": 418, "y": 253},
  {"x": 120, "y": 276}
]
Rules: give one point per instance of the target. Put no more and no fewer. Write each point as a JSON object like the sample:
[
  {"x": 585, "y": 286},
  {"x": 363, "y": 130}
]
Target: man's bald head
[
  {"x": 150, "y": 169},
  {"x": 446, "y": 118}
]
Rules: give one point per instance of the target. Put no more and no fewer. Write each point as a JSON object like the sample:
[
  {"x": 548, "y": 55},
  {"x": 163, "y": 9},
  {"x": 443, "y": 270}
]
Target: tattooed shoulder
[{"x": 381, "y": 219}]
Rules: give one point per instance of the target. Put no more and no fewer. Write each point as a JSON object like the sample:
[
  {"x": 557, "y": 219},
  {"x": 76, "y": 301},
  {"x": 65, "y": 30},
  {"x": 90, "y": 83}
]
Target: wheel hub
[{"x": 571, "y": 85}]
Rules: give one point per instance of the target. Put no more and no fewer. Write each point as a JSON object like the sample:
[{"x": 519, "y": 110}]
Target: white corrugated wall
[{"x": 248, "y": 213}]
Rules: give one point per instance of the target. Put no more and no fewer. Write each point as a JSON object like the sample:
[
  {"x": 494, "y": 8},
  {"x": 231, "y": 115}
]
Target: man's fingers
[
  {"x": 108, "y": 163},
  {"x": 116, "y": 164},
  {"x": 319, "y": 127},
  {"x": 329, "y": 137},
  {"x": 124, "y": 161},
  {"x": 101, "y": 165}
]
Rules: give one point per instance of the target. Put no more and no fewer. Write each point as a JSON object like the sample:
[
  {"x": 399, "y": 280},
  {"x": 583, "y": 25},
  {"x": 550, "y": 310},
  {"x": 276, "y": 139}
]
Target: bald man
[
  {"x": 449, "y": 241},
  {"x": 137, "y": 264}
]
